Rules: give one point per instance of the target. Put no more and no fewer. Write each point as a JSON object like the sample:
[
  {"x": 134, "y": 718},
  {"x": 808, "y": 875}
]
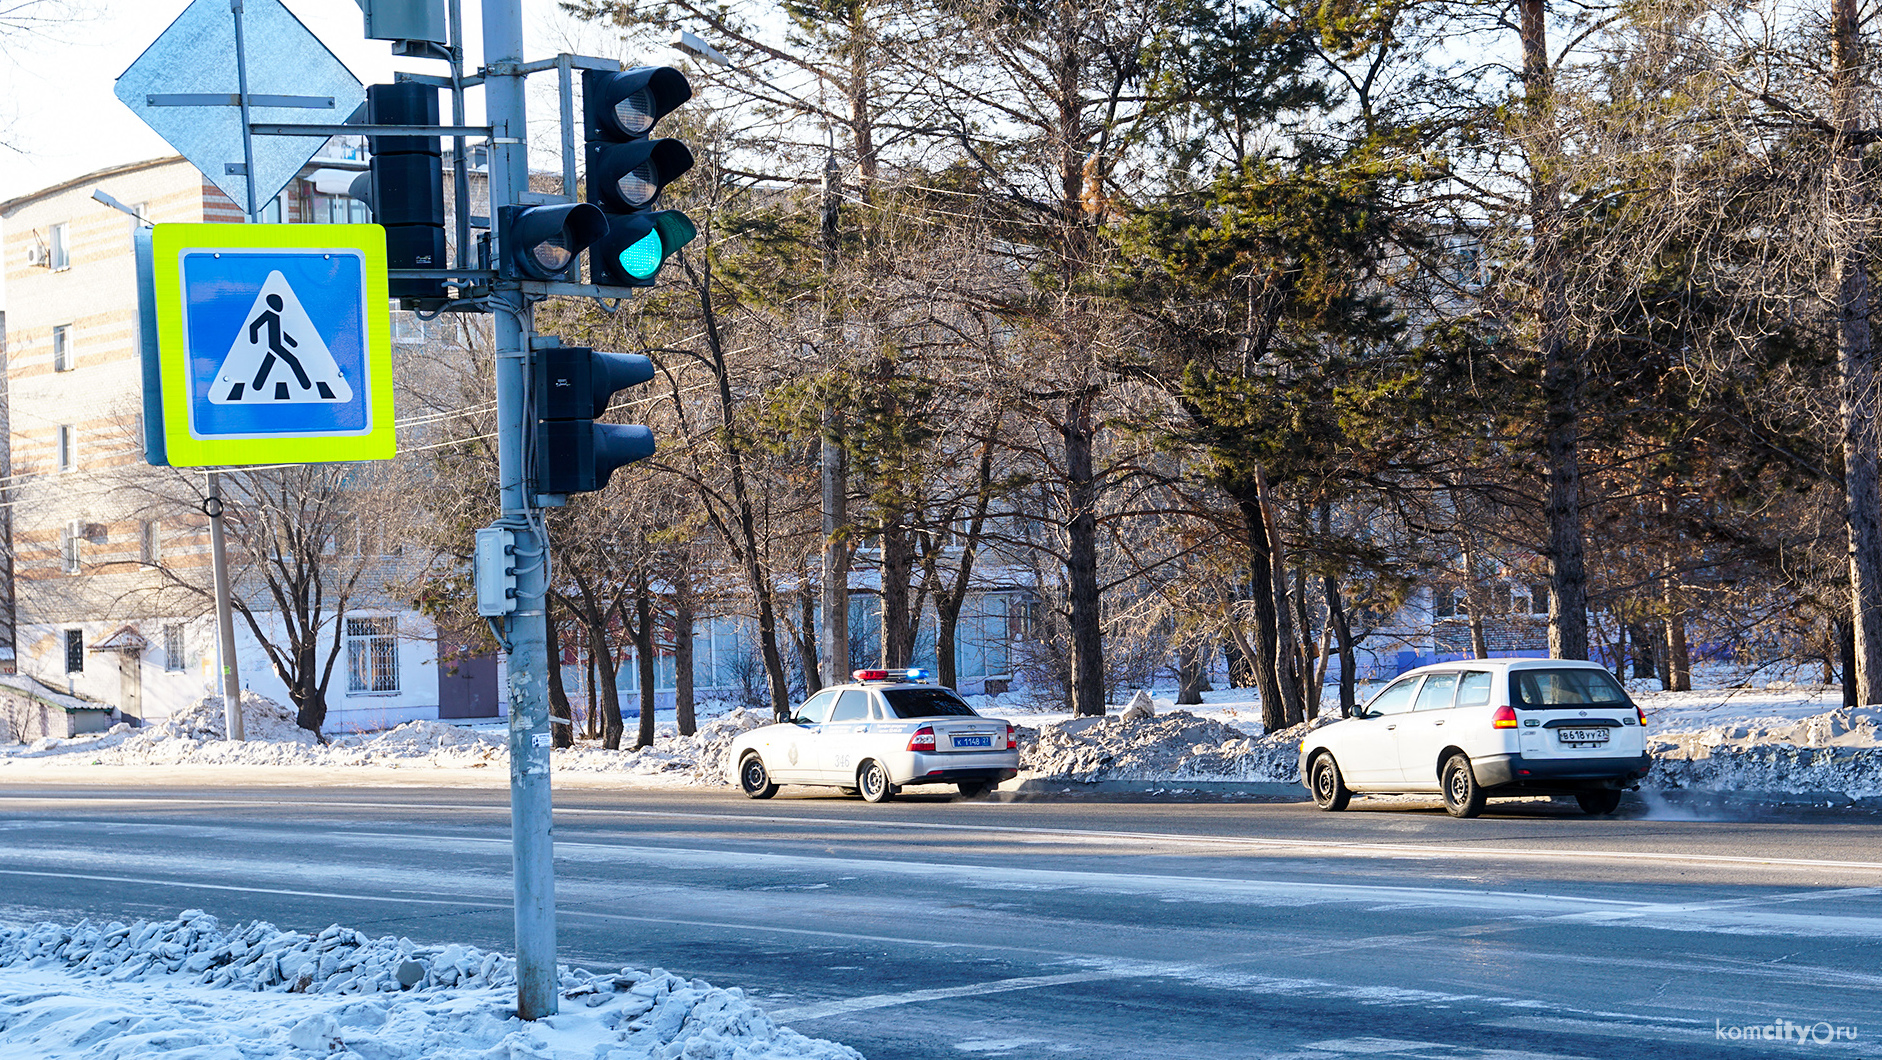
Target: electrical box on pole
[
  {"x": 573, "y": 387},
  {"x": 406, "y": 20},
  {"x": 628, "y": 167},
  {"x": 495, "y": 570}
]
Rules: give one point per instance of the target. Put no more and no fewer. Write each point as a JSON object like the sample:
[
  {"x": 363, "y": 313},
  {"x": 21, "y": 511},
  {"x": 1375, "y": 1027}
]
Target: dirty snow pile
[
  {"x": 188, "y": 988},
  {"x": 195, "y": 737},
  {"x": 1836, "y": 752},
  {"x": 695, "y": 759},
  {"x": 1176, "y": 745}
]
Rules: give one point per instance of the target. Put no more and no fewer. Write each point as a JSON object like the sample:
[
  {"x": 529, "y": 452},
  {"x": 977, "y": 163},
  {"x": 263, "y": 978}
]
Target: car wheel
[
  {"x": 754, "y": 779},
  {"x": 873, "y": 781},
  {"x": 1599, "y": 801},
  {"x": 1462, "y": 796},
  {"x": 973, "y": 789},
  {"x": 1329, "y": 788}
]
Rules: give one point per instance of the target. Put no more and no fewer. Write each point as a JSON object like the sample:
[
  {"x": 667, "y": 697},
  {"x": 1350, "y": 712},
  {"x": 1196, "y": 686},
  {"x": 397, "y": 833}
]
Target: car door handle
[
  {"x": 1391, "y": 726},
  {"x": 1440, "y": 721}
]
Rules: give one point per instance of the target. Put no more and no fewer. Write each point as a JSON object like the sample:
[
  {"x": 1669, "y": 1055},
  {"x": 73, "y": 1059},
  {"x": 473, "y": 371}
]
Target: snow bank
[
  {"x": 195, "y": 737},
  {"x": 187, "y": 987},
  {"x": 1174, "y": 745}
]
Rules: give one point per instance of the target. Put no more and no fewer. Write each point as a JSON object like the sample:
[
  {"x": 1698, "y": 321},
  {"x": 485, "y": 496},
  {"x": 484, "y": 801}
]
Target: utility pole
[
  {"x": 230, "y": 676},
  {"x": 531, "y": 832}
]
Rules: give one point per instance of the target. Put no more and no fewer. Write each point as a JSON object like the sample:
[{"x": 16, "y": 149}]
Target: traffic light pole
[{"x": 531, "y": 833}]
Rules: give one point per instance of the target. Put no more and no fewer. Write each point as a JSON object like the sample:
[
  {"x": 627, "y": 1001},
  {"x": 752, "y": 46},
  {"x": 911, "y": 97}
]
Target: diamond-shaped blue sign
[{"x": 185, "y": 83}]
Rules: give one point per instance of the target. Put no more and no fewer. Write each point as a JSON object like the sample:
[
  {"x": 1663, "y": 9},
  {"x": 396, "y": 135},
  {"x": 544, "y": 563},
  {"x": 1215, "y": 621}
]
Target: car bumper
[
  {"x": 916, "y": 767},
  {"x": 1500, "y": 770}
]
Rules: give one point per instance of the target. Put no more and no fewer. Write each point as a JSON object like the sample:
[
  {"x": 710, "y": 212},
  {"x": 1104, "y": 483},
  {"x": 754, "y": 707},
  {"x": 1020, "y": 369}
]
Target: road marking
[
  {"x": 1298, "y": 846},
  {"x": 806, "y": 1013},
  {"x": 148, "y": 882}
]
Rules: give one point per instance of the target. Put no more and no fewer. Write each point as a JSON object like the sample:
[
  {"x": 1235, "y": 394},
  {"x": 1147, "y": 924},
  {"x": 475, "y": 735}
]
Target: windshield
[
  {"x": 925, "y": 703},
  {"x": 1565, "y": 688}
]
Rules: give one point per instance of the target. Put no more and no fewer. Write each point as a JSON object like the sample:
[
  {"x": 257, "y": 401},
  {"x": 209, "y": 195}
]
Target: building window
[
  {"x": 150, "y": 543},
  {"x": 68, "y": 447},
  {"x": 407, "y": 329},
  {"x": 173, "y": 647},
  {"x": 74, "y": 651},
  {"x": 338, "y": 210},
  {"x": 372, "y": 655},
  {"x": 62, "y": 348},
  {"x": 1539, "y": 598},
  {"x": 71, "y": 540},
  {"x": 271, "y": 211},
  {"x": 1444, "y": 602},
  {"x": 59, "y": 254}
]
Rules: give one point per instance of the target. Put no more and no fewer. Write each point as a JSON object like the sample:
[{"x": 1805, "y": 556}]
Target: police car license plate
[
  {"x": 1587, "y": 736},
  {"x": 973, "y": 741}
]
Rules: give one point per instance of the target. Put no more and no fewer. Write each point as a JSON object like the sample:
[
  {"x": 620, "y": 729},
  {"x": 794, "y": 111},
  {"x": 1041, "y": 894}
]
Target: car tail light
[
  {"x": 923, "y": 740},
  {"x": 1504, "y": 718},
  {"x": 1012, "y": 740},
  {"x": 1642, "y": 715}
]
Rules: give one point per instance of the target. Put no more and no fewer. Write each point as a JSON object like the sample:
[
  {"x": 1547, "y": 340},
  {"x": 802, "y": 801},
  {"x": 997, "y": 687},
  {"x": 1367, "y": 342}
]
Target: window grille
[
  {"x": 173, "y": 647},
  {"x": 74, "y": 651},
  {"x": 62, "y": 360},
  {"x": 372, "y": 655},
  {"x": 71, "y": 541}
]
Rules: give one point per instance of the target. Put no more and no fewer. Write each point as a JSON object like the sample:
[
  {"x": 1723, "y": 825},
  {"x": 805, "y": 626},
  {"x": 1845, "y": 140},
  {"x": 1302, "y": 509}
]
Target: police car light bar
[{"x": 887, "y": 675}]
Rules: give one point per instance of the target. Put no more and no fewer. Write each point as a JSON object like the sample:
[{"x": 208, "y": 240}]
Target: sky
[{"x": 62, "y": 121}]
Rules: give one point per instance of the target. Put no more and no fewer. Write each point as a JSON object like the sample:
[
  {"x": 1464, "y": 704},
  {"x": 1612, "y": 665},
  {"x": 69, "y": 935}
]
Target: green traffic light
[{"x": 643, "y": 256}]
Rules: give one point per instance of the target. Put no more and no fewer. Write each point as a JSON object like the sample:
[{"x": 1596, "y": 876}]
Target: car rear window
[
  {"x": 1565, "y": 688},
  {"x": 925, "y": 703}
]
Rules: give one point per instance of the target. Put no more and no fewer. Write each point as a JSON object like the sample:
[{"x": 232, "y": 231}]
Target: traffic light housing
[
  {"x": 628, "y": 168},
  {"x": 405, "y": 186},
  {"x": 546, "y": 242},
  {"x": 573, "y": 385}
]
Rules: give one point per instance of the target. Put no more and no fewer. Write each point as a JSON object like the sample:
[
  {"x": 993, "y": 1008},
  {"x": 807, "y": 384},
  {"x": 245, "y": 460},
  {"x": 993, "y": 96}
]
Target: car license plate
[
  {"x": 973, "y": 741},
  {"x": 1591, "y": 736}
]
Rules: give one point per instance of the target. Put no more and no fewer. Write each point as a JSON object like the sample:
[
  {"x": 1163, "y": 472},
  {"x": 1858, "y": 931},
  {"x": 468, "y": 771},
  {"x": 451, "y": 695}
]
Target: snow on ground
[
  {"x": 1733, "y": 733},
  {"x": 188, "y": 988}
]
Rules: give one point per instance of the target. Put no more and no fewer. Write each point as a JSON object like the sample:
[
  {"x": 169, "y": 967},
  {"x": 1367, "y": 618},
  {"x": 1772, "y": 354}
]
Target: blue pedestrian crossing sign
[{"x": 272, "y": 344}]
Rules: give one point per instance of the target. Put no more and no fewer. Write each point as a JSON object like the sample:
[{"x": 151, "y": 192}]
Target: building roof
[{"x": 9, "y": 206}]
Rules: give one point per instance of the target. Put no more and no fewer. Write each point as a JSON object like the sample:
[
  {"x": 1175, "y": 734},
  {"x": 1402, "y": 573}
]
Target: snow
[
  {"x": 1730, "y": 734},
  {"x": 188, "y": 988}
]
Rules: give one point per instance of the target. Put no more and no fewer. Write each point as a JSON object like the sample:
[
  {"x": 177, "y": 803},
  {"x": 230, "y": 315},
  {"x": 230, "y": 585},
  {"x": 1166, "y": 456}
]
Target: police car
[{"x": 887, "y": 731}]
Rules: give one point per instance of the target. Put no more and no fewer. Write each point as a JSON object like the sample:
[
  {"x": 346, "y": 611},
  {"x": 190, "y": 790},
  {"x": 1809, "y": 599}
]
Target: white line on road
[{"x": 806, "y": 1013}]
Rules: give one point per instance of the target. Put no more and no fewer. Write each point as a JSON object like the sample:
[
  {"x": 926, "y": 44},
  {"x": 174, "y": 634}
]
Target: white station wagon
[
  {"x": 1481, "y": 728},
  {"x": 883, "y": 733}
]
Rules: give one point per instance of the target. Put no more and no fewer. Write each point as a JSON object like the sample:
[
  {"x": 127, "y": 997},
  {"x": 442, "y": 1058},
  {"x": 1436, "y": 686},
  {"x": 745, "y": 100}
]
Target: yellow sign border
[{"x": 168, "y": 244}]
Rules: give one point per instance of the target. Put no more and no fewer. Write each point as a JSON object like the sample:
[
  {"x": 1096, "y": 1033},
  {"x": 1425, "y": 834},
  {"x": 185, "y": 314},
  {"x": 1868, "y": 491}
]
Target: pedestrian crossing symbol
[
  {"x": 278, "y": 355},
  {"x": 273, "y": 344}
]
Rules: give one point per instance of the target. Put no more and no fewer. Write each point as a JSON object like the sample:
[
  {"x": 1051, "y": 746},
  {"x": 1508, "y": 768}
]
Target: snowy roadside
[
  {"x": 187, "y": 987},
  {"x": 1776, "y": 740}
]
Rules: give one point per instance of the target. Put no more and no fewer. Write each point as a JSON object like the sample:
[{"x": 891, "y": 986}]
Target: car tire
[
  {"x": 1329, "y": 787},
  {"x": 1599, "y": 802},
  {"x": 872, "y": 779},
  {"x": 1463, "y": 797},
  {"x": 754, "y": 779},
  {"x": 973, "y": 789}
]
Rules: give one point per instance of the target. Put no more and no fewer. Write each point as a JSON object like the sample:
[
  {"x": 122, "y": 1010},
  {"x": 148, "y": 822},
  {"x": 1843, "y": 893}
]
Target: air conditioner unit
[{"x": 37, "y": 255}]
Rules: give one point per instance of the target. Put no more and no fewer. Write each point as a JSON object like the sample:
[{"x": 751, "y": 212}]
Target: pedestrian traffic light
[
  {"x": 573, "y": 385},
  {"x": 546, "y": 242},
  {"x": 628, "y": 168},
  {"x": 405, "y": 186}
]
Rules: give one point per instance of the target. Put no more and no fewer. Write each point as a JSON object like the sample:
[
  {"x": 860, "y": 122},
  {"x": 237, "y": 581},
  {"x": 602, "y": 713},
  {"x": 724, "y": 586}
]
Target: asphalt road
[{"x": 1087, "y": 928}]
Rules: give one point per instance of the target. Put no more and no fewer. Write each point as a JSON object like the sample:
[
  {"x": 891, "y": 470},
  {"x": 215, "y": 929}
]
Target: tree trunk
[
  {"x": 947, "y": 618},
  {"x": 1081, "y": 560},
  {"x": 898, "y": 565},
  {"x": 1191, "y": 681},
  {"x": 561, "y": 724},
  {"x": 1855, "y": 348},
  {"x": 594, "y": 715},
  {"x": 1343, "y": 633},
  {"x": 1678, "y": 665},
  {"x": 644, "y": 650},
  {"x": 1846, "y": 649},
  {"x": 684, "y": 617},
  {"x": 1473, "y": 592},
  {"x": 610, "y": 690},
  {"x": 1561, "y": 365},
  {"x": 1286, "y": 655},
  {"x": 807, "y": 641},
  {"x": 1642, "y": 638},
  {"x": 1261, "y": 613}
]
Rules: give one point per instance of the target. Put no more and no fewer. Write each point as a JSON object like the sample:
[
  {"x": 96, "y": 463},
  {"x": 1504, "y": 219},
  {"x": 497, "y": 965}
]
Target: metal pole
[
  {"x": 531, "y": 834},
  {"x": 225, "y": 613},
  {"x": 248, "y": 138},
  {"x": 460, "y": 163}
]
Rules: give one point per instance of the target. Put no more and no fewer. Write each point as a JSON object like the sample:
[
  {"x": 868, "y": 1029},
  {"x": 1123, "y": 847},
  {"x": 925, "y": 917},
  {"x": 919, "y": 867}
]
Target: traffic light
[
  {"x": 573, "y": 385},
  {"x": 627, "y": 168},
  {"x": 405, "y": 186},
  {"x": 546, "y": 242}
]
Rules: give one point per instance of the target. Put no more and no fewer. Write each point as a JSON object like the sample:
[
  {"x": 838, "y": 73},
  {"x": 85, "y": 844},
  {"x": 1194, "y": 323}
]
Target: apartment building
[{"x": 110, "y": 556}]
